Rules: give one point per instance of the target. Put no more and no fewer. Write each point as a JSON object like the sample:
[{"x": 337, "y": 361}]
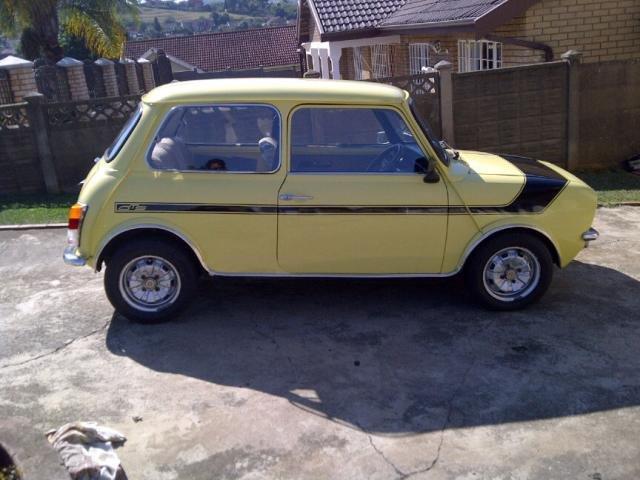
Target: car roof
[{"x": 273, "y": 89}]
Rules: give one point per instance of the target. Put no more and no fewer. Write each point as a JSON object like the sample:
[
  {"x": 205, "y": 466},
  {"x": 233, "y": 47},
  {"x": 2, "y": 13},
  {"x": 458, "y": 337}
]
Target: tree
[{"x": 40, "y": 23}]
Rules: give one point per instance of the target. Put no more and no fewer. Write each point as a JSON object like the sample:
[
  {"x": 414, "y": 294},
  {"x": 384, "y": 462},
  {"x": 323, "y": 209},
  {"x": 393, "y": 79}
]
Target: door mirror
[
  {"x": 432, "y": 176},
  {"x": 428, "y": 168}
]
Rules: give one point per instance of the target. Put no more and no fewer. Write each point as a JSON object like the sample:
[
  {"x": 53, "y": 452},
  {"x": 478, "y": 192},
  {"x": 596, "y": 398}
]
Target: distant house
[
  {"x": 271, "y": 48},
  {"x": 359, "y": 39}
]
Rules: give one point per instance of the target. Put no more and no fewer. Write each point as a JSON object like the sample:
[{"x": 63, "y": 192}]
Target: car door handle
[{"x": 287, "y": 197}]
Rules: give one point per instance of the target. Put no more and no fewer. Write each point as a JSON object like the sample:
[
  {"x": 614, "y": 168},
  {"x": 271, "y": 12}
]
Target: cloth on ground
[{"x": 87, "y": 450}]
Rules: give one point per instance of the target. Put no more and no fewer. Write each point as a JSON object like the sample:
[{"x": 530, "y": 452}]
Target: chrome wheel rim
[
  {"x": 150, "y": 283},
  {"x": 511, "y": 274}
]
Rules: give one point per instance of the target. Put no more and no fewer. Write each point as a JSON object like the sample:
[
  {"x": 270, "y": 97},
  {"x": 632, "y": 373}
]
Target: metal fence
[{"x": 425, "y": 92}]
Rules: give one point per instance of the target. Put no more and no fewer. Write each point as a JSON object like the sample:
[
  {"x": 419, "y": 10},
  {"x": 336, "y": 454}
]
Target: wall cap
[
  {"x": 103, "y": 62},
  {"x": 12, "y": 62},
  {"x": 443, "y": 65},
  {"x": 68, "y": 62},
  {"x": 572, "y": 56}
]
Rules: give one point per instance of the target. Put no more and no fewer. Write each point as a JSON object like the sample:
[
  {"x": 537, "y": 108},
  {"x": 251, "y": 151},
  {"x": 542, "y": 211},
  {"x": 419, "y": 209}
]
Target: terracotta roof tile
[{"x": 238, "y": 50}]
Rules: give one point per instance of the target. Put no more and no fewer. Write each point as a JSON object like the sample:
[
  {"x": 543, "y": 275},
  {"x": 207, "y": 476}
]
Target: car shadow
[{"x": 405, "y": 356}]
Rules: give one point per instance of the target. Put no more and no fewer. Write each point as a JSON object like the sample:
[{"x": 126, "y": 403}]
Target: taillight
[{"x": 76, "y": 215}]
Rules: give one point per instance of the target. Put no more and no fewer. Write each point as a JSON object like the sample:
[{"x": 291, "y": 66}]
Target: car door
[
  {"x": 212, "y": 173},
  {"x": 354, "y": 200}
]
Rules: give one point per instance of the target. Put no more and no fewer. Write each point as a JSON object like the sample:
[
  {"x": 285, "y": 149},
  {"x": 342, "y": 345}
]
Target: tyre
[
  {"x": 150, "y": 281},
  {"x": 509, "y": 271}
]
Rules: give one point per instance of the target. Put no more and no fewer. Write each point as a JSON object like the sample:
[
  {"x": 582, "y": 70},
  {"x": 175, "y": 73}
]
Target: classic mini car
[{"x": 305, "y": 177}]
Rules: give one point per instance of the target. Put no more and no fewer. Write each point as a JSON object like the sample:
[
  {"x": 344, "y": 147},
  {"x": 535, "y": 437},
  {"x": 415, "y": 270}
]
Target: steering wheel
[{"x": 387, "y": 160}]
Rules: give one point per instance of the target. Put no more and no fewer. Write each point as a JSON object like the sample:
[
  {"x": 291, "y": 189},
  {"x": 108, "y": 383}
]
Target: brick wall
[
  {"x": 600, "y": 30},
  {"x": 22, "y": 82}
]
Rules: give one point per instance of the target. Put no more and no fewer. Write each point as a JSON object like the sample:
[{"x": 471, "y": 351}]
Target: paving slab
[{"x": 336, "y": 379}]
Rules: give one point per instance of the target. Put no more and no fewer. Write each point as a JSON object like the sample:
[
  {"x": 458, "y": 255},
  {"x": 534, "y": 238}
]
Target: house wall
[{"x": 600, "y": 30}]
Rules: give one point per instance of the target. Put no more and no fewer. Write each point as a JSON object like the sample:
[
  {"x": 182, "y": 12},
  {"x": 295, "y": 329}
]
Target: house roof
[
  {"x": 341, "y": 16},
  {"x": 237, "y": 50},
  {"x": 438, "y": 11}
]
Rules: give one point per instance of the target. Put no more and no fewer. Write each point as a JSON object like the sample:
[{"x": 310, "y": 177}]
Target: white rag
[{"x": 87, "y": 450}]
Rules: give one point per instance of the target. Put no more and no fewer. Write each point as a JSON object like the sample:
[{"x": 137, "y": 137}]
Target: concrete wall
[
  {"x": 515, "y": 110},
  {"x": 609, "y": 123},
  {"x": 76, "y": 132}
]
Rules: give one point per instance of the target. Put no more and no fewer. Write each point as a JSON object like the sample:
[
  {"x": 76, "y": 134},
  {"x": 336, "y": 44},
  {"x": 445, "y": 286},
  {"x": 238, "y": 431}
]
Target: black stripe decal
[
  {"x": 542, "y": 185},
  {"x": 365, "y": 210},
  {"x": 192, "y": 208}
]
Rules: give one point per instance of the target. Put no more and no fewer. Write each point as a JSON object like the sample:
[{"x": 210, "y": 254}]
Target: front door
[{"x": 354, "y": 200}]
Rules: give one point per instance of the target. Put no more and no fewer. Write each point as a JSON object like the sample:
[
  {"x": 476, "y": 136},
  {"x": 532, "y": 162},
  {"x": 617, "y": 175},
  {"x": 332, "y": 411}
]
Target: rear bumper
[{"x": 70, "y": 257}]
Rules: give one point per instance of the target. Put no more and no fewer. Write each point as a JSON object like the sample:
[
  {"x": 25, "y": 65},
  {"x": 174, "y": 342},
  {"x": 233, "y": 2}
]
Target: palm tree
[{"x": 97, "y": 22}]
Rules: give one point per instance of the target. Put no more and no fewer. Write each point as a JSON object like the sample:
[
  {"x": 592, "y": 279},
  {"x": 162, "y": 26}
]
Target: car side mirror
[
  {"x": 428, "y": 168},
  {"x": 432, "y": 176}
]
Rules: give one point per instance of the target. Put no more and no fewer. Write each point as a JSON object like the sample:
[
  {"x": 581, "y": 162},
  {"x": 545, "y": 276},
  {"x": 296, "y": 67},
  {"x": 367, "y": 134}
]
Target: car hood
[
  {"x": 506, "y": 183},
  {"x": 488, "y": 163}
]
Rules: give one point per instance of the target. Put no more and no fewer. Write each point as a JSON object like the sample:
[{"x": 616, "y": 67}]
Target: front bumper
[
  {"x": 70, "y": 257},
  {"x": 590, "y": 235}
]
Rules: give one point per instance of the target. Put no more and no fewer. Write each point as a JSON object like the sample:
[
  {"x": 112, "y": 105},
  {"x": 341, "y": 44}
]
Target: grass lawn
[
  {"x": 613, "y": 187},
  {"x": 21, "y": 209}
]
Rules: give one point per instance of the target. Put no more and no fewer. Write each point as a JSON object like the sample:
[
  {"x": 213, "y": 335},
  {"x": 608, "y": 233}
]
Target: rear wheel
[
  {"x": 150, "y": 281},
  {"x": 510, "y": 271}
]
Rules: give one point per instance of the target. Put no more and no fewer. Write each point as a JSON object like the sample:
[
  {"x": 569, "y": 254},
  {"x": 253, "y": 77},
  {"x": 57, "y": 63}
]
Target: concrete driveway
[{"x": 329, "y": 379}]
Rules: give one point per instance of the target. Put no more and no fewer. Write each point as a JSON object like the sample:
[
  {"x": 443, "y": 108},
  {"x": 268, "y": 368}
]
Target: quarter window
[
  {"x": 220, "y": 138},
  {"x": 353, "y": 140},
  {"x": 124, "y": 134}
]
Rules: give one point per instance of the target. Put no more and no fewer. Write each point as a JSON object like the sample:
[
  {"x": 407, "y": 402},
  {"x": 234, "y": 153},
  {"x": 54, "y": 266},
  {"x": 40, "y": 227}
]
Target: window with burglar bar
[
  {"x": 474, "y": 55},
  {"x": 418, "y": 57},
  {"x": 358, "y": 63},
  {"x": 381, "y": 61}
]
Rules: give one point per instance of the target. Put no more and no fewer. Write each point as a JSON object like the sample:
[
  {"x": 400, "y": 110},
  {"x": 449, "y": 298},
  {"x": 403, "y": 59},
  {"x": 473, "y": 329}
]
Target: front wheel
[
  {"x": 150, "y": 281},
  {"x": 510, "y": 271}
]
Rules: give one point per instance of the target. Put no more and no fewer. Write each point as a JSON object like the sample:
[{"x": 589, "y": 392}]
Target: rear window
[{"x": 124, "y": 134}]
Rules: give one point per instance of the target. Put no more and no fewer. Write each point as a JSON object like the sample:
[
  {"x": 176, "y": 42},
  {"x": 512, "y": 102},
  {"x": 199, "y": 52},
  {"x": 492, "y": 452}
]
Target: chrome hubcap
[
  {"x": 511, "y": 273},
  {"x": 149, "y": 283}
]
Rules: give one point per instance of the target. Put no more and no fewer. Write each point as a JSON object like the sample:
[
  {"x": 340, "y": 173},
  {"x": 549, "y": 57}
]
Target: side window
[
  {"x": 224, "y": 138},
  {"x": 353, "y": 140}
]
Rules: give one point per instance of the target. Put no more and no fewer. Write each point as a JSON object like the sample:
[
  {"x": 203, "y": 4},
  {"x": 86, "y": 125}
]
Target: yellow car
[{"x": 304, "y": 177}]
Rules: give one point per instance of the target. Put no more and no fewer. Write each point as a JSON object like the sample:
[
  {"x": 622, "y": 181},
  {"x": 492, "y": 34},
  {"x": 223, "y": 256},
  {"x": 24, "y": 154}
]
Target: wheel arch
[
  {"x": 118, "y": 237},
  {"x": 492, "y": 233}
]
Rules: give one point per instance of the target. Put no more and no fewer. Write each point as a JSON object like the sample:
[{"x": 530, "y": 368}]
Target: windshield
[
  {"x": 426, "y": 129},
  {"x": 111, "y": 152}
]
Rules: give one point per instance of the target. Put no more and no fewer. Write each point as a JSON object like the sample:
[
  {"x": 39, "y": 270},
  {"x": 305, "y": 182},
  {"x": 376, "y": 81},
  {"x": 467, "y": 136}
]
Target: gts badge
[{"x": 130, "y": 207}]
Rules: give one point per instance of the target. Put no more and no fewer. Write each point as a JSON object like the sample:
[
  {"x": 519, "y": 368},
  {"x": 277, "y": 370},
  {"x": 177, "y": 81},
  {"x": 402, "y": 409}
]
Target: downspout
[{"x": 548, "y": 51}]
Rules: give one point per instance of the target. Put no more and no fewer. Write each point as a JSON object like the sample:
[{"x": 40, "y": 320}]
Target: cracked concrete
[{"x": 349, "y": 379}]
